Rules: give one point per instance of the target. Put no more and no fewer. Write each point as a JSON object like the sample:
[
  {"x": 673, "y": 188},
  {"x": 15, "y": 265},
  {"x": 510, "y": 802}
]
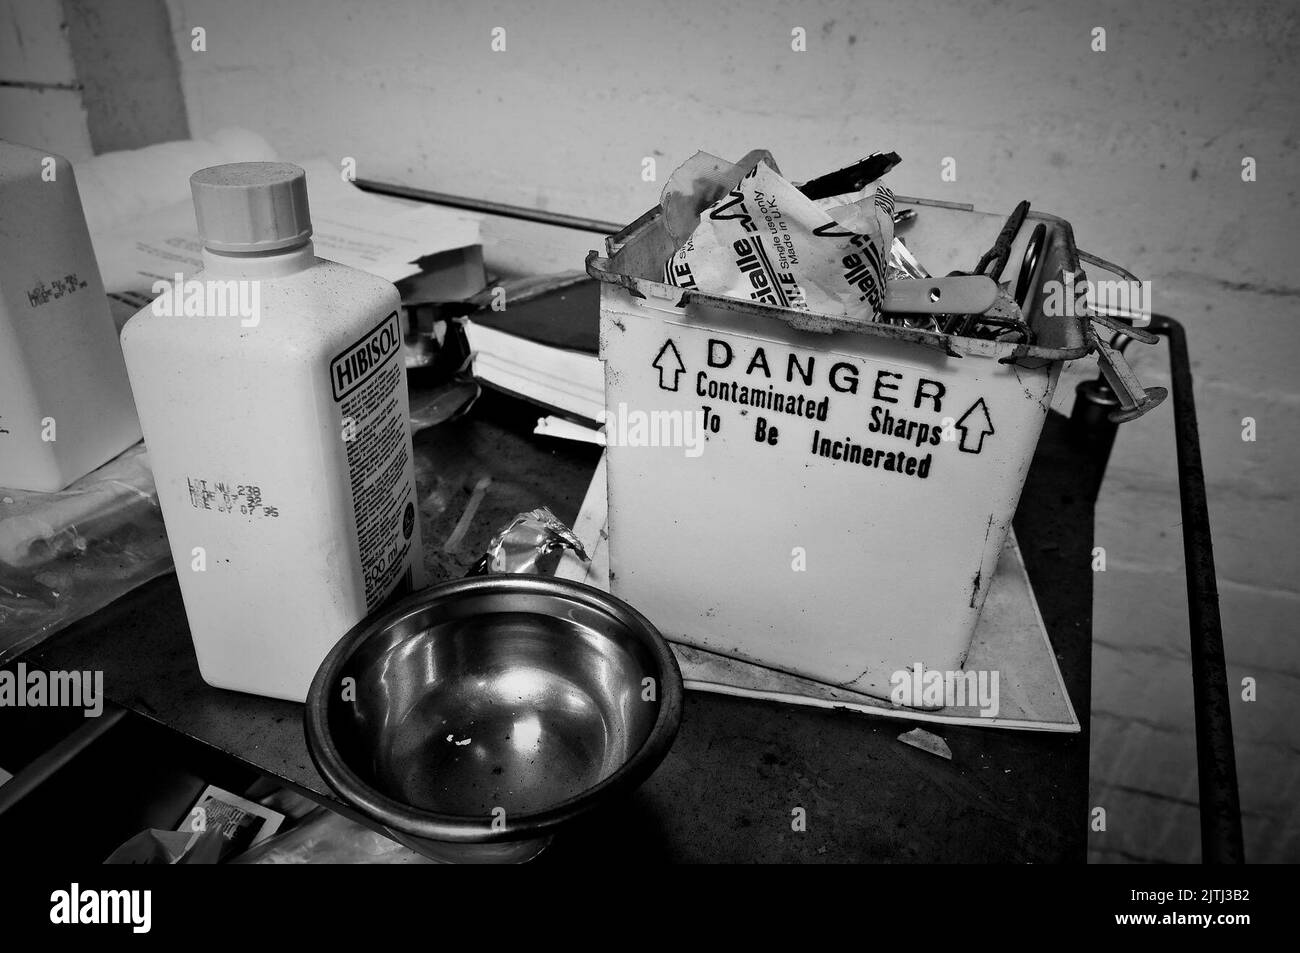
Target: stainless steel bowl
[{"x": 476, "y": 717}]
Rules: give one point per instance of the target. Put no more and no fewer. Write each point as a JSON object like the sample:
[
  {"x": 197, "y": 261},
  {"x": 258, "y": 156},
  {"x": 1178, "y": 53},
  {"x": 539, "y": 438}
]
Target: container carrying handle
[
  {"x": 1124, "y": 320},
  {"x": 1134, "y": 399}
]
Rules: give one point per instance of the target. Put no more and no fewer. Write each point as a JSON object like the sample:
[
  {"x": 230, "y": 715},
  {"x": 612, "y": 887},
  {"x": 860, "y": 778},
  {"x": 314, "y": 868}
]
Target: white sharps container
[{"x": 272, "y": 393}]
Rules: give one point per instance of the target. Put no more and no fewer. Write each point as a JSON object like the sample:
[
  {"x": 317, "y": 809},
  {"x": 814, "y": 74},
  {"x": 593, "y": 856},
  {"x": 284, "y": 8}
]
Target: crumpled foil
[{"x": 532, "y": 542}]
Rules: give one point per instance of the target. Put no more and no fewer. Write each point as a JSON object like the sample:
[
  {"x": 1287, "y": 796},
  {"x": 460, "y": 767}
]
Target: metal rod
[
  {"x": 1221, "y": 840},
  {"x": 490, "y": 208},
  {"x": 50, "y": 762}
]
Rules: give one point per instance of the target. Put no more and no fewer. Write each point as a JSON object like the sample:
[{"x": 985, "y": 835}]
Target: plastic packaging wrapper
[
  {"x": 325, "y": 837},
  {"x": 760, "y": 238},
  {"x": 155, "y": 846},
  {"x": 903, "y": 266},
  {"x": 64, "y": 555},
  {"x": 219, "y": 826},
  {"x": 533, "y": 542}
]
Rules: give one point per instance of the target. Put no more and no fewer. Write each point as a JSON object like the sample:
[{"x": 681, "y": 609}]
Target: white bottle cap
[{"x": 251, "y": 206}]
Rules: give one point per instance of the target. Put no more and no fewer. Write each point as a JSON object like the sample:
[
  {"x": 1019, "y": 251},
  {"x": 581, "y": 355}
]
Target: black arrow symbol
[
  {"x": 980, "y": 427},
  {"x": 673, "y": 366}
]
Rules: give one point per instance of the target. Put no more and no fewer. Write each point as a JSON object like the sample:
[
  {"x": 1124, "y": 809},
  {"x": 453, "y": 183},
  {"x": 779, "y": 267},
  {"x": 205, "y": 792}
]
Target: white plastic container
[
  {"x": 272, "y": 392},
  {"x": 856, "y": 483},
  {"x": 65, "y": 405}
]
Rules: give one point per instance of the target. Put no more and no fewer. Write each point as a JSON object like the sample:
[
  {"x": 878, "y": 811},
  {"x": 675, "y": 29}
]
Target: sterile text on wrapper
[{"x": 765, "y": 242}]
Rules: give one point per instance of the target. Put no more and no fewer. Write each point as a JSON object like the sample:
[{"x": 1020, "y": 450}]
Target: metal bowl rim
[{"x": 460, "y": 828}]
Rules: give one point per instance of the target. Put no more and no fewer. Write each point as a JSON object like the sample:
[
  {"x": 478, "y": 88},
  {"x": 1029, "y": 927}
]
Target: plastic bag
[{"x": 64, "y": 555}]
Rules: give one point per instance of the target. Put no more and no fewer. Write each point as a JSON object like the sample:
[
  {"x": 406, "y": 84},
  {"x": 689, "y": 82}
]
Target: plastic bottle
[
  {"x": 272, "y": 392},
  {"x": 65, "y": 405}
]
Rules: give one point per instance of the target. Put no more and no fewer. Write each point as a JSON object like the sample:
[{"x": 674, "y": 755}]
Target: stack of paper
[{"x": 144, "y": 236}]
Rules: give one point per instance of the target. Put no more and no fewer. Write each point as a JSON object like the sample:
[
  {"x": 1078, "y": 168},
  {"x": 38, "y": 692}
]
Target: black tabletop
[{"x": 739, "y": 768}]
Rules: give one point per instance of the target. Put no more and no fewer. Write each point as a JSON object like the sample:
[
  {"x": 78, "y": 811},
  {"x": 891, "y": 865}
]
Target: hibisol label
[
  {"x": 352, "y": 368},
  {"x": 368, "y": 384}
]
